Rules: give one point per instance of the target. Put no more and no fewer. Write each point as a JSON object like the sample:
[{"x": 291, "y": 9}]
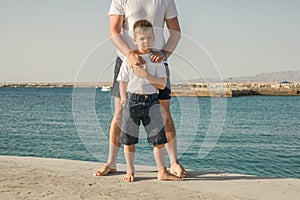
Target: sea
[{"x": 253, "y": 135}]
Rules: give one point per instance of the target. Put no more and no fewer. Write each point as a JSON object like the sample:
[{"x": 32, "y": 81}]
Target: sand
[{"x": 43, "y": 178}]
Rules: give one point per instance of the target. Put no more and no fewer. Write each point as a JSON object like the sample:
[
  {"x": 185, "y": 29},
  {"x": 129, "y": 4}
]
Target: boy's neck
[{"x": 141, "y": 51}]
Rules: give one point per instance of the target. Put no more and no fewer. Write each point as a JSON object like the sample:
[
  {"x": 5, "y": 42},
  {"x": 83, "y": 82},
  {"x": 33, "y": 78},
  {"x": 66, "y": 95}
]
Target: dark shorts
[
  {"x": 145, "y": 109},
  {"x": 163, "y": 94}
]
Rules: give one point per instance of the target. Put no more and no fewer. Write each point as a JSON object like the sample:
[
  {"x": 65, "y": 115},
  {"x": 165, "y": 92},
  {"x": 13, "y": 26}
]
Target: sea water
[{"x": 256, "y": 135}]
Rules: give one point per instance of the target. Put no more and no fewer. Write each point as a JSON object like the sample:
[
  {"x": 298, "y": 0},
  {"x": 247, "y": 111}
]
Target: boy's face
[{"x": 144, "y": 40}]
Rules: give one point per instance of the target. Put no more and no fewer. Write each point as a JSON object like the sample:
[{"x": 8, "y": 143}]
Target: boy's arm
[
  {"x": 123, "y": 90},
  {"x": 158, "y": 82}
]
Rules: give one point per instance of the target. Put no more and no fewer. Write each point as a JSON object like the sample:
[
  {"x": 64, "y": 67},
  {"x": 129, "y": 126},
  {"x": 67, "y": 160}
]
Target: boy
[{"x": 138, "y": 89}]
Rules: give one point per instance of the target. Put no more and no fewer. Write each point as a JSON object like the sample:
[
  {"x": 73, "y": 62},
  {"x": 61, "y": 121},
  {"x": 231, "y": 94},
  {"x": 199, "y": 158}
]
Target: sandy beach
[{"x": 43, "y": 178}]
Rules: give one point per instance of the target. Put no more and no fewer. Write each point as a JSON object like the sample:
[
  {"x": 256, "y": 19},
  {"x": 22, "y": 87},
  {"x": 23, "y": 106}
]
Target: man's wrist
[
  {"x": 164, "y": 54},
  {"x": 127, "y": 54}
]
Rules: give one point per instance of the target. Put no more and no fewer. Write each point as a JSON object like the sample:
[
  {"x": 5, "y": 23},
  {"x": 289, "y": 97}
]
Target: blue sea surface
[{"x": 259, "y": 135}]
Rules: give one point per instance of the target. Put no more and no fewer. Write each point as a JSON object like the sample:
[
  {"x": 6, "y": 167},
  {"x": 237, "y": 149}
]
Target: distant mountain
[{"x": 291, "y": 76}]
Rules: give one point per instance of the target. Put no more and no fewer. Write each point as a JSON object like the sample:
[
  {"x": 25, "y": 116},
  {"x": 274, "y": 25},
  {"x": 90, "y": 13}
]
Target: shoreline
[
  {"x": 38, "y": 178},
  {"x": 224, "y": 90}
]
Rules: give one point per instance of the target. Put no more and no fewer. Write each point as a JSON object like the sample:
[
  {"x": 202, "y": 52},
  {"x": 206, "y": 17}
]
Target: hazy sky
[{"x": 48, "y": 40}]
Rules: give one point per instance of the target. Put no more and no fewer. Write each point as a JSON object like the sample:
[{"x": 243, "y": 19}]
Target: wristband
[{"x": 165, "y": 55}]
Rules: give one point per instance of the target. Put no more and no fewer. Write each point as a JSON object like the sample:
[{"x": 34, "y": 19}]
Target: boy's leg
[
  {"x": 171, "y": 146},
  {"x": 163, "y": 174},
  {"x": 114, "y": 143},
  {"x": 129, "y": 152}
]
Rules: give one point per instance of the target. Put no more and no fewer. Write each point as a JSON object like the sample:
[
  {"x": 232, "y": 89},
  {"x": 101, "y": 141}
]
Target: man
[{"x": 123, "y": 14}]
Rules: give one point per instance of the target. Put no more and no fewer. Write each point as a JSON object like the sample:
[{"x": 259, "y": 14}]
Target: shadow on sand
[
  {"x": 221, "y": 176},
  {"x": 194, "y": 176}
]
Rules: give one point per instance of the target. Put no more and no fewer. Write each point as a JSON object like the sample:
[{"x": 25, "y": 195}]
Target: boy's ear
[{"x": 134, "y": 40}]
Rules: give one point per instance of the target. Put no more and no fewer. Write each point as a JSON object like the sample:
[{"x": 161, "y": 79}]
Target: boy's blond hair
[{"x": 142, "y": 26}]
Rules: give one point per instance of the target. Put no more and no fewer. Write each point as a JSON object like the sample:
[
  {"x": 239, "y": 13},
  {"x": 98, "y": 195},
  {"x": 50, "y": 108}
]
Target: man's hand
[
  {"x": 157, "y": 57},
  {"x": 134, "y": 59}
]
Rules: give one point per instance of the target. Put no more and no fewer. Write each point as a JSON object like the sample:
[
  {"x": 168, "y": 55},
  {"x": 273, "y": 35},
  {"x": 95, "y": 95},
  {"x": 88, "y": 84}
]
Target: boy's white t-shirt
[
  {"x": 155, "y": 11},
  {"x": 140, "y": 85}
]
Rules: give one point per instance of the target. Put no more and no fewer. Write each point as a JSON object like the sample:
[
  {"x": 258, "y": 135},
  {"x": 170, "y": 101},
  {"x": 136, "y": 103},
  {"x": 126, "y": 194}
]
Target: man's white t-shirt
[
  {"x": 140, "y": 85},
  {"x": 155, "y": 11}
]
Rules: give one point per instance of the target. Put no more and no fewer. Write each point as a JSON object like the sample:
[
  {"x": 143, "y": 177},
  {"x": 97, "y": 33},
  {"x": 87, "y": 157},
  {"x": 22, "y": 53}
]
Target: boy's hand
[
  {"x": 140, "y": 71},
  {"x": 123, "y": 101}
]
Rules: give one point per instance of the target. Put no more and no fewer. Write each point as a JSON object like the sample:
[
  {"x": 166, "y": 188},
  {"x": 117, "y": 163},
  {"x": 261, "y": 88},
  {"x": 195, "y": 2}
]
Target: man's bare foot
[
  {"x": 164, "y": 175},
  {"x": 178, "y": 170},
  {"x": 104, "y": 171},
  {"x": 129, "y": 177}
]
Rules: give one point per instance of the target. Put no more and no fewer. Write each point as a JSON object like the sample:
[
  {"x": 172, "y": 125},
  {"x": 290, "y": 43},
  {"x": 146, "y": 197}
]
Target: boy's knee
[{"x": 159, "y": 146}]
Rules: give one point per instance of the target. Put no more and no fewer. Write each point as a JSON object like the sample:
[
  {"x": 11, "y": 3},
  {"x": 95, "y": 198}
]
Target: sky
[{"x": 68, "y": 40}]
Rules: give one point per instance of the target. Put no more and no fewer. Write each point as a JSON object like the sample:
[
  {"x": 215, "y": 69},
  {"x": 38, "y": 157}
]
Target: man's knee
[
  {"x": 165, "y": 109},
  {"x": 117, "y": 118},
  {"x": 165, "y": 104}
]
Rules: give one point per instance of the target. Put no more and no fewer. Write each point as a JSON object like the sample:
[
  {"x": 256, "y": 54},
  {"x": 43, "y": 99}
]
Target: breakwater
[{"x": 236, "y": 89}]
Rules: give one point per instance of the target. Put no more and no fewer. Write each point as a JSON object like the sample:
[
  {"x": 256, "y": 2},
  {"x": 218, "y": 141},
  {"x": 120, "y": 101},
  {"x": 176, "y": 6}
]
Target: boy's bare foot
[
  {"x": 178, "y": 170},
  {"x": 129, "y": 177},
  {"x": 104, "y": 171},
  {"x": 164, "y": 175}
]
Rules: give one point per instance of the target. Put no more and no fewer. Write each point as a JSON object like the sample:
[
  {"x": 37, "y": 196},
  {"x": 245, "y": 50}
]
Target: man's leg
[
  {"x": 114, "y": 143},
  {"x": 163, "y": 174},
  {"x": 171, "y": 146}
]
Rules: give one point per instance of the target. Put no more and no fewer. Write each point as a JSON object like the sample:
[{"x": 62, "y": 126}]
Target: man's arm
[
  {"x": 115, "y": 28},
  {"x": 175, "y": 34}
]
